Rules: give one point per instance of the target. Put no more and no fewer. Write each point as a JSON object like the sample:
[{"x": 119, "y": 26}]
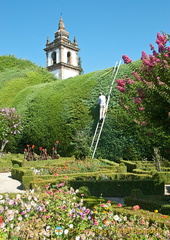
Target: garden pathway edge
[{"x": 10, "y": 185}]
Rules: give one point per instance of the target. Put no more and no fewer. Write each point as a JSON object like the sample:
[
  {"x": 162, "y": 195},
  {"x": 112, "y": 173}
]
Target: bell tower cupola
[{"x": 62, "y": 54}]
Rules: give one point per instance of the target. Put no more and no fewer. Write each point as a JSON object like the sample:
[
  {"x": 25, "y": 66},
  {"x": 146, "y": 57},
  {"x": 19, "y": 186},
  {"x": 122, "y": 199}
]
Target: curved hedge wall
[{"x": 67, "y": 111}]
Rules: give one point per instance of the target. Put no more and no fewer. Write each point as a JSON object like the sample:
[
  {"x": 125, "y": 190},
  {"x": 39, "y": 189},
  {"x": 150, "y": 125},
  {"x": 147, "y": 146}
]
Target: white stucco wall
[
  {"x": 69, "y": 73},
  {"x": 56, "y": 73},
  {"x": 66, "y": 73},
  {"x": 49, "y": 57},
  {"x": 74, "y": 60}
]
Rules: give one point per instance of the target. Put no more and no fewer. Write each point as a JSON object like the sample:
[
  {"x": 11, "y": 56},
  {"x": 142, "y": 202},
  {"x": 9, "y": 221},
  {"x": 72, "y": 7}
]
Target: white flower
[
  {"x": 10, "y": 217},
  {"x": 29, "y": 198},
  {"x": 12, "y": 225},
  {"x": 20, "y": 218},
  {"x": 1, "y": 196},
  {"x": 47, "y": 228},
  {"x": 66, "y": 231},
  {"x": 71, "y": 225},
  {"x": 18, "y": 196},
  {"x": 77, "y": 190},
  {"x": 2, "y": 225},
  {"x": 2, "y": 201},
  {"x": 116, "y": 217},
  {"x": 35, "y": 199},
  {"x": 77, "y": 238}
]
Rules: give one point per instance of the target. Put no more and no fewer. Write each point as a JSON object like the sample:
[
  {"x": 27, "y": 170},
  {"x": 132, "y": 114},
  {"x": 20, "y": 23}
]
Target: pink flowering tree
[
  {"x": 10, "y": 124},
  {"x": 146, "y": 93}
]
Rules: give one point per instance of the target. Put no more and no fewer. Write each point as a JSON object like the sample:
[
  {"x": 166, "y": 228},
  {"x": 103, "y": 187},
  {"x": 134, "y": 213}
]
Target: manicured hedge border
[{"x": 150, "y": 203}]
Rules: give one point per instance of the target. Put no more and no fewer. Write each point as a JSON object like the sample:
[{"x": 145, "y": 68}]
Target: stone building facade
[{"x": 62, "y": 54}]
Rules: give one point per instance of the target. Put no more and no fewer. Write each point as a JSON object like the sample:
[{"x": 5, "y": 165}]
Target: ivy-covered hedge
[
  {"x": 162, "y": 177},
  {"x": 151, "y": 203},
  {"x": 18, "y": 173},
  {"x": 68, "y": 111},
  {"x": 119, "y": 188},
  {"x": 22, "y": 173}
]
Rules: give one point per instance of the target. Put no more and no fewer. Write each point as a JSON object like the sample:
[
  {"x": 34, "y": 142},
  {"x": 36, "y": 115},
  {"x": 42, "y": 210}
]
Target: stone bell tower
[{"x": 62, "y": 54}]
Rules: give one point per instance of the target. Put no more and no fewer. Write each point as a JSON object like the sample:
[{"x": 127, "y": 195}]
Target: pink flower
[
  {"x": 144, "y": 55},
  {"x": 161, "y": 39},
  {"x": 119, "y": 205},
  {"x": 61, "y": 184},
  {"x": 121, "y": 89},
  {"x": 136, "y": 207},
  {"x": 161, "y": 47},
  {"x": 129, "y": 81},
  {"x": 149, "y": 134},
  {"x": 96, "y": 223},
  {"x": 136, "y": 75},
  {"x": 138, "y": 100},
  {"x": 82, "y": 194},
  {"x": 108, "y": 201},
  {"x": 151, "y": 46},
  {"x": 102, "y": 205},
  {"x": 144, "y": 123},
  {"x": 141, "y": 108},
  {"x": 22, "y": 213},
  {"x": 126, "y": 59},
  {"x": 120, "y": 82}
]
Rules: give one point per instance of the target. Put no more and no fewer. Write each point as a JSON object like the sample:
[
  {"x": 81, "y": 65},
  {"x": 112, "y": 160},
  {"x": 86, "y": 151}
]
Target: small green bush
[
  {"x": 136, "y": 193},
  {"x": 85, "y": 191}
]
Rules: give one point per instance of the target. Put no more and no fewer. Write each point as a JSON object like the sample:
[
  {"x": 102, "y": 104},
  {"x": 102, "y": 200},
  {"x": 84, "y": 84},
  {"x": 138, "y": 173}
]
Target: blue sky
[{"x": 105, "y": 30}]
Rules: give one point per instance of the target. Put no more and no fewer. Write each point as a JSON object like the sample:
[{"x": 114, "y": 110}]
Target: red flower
[
  {"x": 57, "y": 141},
  {"x": 25, "y": 150},
  {"x": 53, "y": 148},
  {"x": 33, "y": 146}
]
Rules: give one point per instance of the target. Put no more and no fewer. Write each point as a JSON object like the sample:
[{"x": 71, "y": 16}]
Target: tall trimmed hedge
[{"x": 67, "y": 111}]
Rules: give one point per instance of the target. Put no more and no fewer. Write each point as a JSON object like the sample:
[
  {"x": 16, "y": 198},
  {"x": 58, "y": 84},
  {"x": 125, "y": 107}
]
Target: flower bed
[{"x": 58, "y": 211}]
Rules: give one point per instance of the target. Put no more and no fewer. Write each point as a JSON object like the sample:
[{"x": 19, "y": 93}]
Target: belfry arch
[{"x": 62, "y": 54}]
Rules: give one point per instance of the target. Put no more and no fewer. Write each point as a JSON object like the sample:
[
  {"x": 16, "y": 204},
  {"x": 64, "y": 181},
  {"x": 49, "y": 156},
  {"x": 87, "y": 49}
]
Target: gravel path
[{"x": 9, "y": 185}]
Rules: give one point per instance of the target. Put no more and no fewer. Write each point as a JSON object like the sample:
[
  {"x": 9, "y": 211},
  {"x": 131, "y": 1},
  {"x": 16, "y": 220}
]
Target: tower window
[
  {"x": 69, "y": 57},
  {"x": 53, "y": 56}
]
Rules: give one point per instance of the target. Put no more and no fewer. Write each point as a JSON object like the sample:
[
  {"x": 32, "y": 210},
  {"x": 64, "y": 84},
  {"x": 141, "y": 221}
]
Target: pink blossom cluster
[
  {"x": 122, "y": 83},
  {"x": 126, "y": 59},
  {"x": 161, "y": 41}
]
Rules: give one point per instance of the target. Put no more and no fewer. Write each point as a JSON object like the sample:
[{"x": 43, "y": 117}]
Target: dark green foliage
[
  {"x": 149, "y": 202},
  {"x": 136, "y": 193},
  {"x": 162, "y": 177},
  {"x": 84, "y": 192},
  {"x": 67, "y": 111}
]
